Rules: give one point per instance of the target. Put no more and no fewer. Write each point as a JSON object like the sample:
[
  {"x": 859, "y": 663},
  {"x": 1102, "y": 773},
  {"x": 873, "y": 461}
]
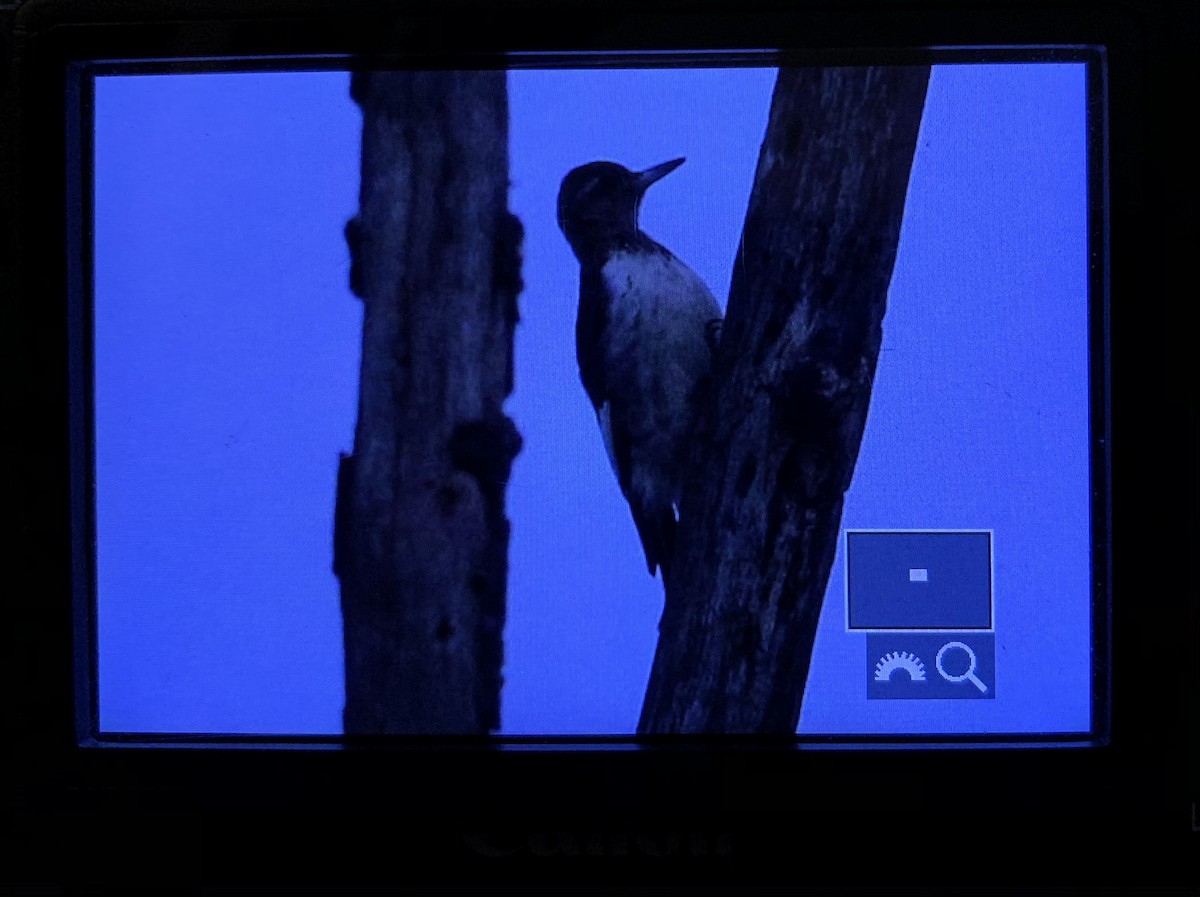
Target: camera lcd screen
[{"x": 226, "y": 349}]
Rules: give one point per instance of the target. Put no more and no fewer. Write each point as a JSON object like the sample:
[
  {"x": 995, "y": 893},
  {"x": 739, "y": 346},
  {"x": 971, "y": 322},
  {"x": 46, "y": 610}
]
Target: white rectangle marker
[{"x": 918, "y": 574}]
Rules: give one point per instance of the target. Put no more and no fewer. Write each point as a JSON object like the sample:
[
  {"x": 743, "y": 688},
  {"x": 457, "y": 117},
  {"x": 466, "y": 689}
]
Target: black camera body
[{"x": 1112, "y": 810}]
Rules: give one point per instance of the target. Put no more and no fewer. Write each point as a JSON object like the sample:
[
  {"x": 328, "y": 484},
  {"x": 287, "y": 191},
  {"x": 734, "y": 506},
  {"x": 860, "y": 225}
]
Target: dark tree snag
[
  {"x": 420, "y": 533},
  {"x": 778, "y": 434}
]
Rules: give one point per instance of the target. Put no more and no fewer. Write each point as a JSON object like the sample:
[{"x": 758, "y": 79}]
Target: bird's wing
[
  {"x": 617, "y": 443},
  {"x": 590, "y": 328},
  {"x": 590, "y": 324},
  {"x": 655, "y": 526}
]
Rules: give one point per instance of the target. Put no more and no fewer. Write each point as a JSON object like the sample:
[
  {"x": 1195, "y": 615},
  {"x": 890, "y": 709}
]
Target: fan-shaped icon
[{"x": 899, "y": 660}]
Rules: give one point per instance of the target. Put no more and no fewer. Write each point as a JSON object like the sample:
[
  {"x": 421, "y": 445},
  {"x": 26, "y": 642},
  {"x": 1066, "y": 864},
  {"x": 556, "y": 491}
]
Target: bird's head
[{"x": 599, "y": 201}]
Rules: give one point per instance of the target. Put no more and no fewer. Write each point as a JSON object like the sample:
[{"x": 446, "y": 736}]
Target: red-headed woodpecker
[{"x": 642, "y": 338}]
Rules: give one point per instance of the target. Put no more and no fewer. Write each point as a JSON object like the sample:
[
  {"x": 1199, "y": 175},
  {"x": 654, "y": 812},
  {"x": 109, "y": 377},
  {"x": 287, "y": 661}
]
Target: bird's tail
[{"x": 656, "y": 528}]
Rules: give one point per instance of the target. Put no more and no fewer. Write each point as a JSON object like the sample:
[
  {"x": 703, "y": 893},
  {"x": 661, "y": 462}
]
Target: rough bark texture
[
  {"x": 779, "y": 432},
  {"x": 421, "y": 537}
]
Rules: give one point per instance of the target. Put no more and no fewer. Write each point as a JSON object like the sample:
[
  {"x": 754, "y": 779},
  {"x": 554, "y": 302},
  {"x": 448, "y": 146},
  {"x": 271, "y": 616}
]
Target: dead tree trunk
[
  {"x": 779, "y": 432},
  {"x": 421, "y": 537}
]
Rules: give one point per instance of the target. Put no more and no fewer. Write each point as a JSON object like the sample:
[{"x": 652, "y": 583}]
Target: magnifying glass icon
[{"x": 969, "y": 674}]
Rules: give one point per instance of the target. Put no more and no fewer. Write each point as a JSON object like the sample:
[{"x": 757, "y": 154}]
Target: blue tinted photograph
[{"x": 593, "y": 401}]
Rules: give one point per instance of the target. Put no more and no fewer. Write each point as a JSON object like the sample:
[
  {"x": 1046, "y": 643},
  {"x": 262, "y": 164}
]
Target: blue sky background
[{"x": 227, "y": 350}]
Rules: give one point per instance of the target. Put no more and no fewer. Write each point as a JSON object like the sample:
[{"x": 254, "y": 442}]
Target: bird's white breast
[
  {"x": 656, "y": 351},
  {"x": 657, "y": 301}
]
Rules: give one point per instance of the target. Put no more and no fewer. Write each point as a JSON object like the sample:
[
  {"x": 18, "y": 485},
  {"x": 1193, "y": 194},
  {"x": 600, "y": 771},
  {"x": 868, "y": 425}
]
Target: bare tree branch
[
  {"x": 421, "y": 537},
  {"x": 779, "y": 432}
]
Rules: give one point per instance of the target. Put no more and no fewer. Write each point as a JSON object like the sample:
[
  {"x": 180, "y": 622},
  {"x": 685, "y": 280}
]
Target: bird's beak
[{"x": 650, "y": 175}]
